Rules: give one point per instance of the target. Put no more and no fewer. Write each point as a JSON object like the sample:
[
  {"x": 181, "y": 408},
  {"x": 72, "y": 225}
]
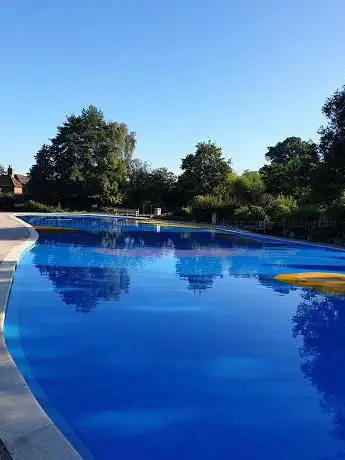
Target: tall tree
[
  {"x": 249, "y": 187},
  {"x": 203, "y": 171},
  {"x": 88, "y": 157},
  {"x": 137, "y": 186},
  {"x": 146, "y": 186},
  {"x": 292, "y": 165},
  {"x": 163, "y": 187},
  {"x": 332, "y": 145}
]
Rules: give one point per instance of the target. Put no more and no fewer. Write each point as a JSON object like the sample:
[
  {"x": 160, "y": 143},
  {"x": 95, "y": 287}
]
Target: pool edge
[{"x": 25, "y": 428}]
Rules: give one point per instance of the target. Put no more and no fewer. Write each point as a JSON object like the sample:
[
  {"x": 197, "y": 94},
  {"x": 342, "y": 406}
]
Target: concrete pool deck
[{"x": 26, "y": 431}]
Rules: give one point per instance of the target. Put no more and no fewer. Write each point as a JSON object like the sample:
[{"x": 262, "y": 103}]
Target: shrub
[
  {"x": 250, "y": 213},
  {"x": 336, "y": 208},
  {"x": 7, "y": 201},
  {"x": 202, "y": 207},
  {"x": 282, "y": 207},
  {"x": 35, "y": 206},
  {"x": 309, "y": 211}
]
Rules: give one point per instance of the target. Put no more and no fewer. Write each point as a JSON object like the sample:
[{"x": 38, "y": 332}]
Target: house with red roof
[{"x": 13, "y": 183}]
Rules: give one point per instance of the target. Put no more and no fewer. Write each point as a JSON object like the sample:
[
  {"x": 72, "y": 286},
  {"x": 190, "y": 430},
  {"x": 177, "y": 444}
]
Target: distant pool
[{"x": 162, "y": 343}]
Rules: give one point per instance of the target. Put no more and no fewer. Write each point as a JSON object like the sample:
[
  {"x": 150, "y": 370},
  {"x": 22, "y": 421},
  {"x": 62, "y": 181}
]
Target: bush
[
  {"x": 7, "y": 201},
  {"x": 35, "y": 206},
  {"x": 282, "y": 207},
  {"x": 202, "y": 207},
  {"x": 310, "y": 211},
  {"x": 250, "y": 213},
  {"x": 336, "y": 209}
]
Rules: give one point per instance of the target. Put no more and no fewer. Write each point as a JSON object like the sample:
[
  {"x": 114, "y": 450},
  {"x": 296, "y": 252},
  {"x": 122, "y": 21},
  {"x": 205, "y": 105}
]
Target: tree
[
  {"x": 162, "y": 187},
  {"x": 146, "y": 186},
  {"x": 89, "y": 157},
  {"x": 203, "y": 171},
  {"x": 138, "y": 183},
  {"x": 332, "y": 145},
  {"x": 292, "y": 166},
  {"x": 249, "y": 187}
]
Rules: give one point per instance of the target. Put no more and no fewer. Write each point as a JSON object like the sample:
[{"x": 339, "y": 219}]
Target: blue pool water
[{"x": 174, "y": 343}]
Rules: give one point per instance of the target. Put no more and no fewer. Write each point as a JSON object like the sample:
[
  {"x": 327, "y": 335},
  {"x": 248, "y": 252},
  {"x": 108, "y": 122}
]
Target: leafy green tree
[
  {"x": 332, "y": 146},
  {"x": 89, "y": 157},
  {"x": 203, "y": 171},
  {"x": 137, "y": 186},
  {"x": 250, "y": 212},
  {"x": 282, "y": 207},
  {"x": 150, "y": 187},
  {"x": 163, "y": 187},
  {"x": 249, "y": 187},
  {"x": 292, "y": 167}
]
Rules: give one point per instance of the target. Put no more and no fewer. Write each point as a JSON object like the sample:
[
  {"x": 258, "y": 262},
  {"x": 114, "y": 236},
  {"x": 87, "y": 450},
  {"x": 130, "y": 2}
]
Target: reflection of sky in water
[{"x": 179, "y": 344}]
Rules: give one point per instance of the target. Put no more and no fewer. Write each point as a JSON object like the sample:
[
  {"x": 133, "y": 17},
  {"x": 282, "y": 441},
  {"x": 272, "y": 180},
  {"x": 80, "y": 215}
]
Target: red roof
[{"x": 21, "y": 178}]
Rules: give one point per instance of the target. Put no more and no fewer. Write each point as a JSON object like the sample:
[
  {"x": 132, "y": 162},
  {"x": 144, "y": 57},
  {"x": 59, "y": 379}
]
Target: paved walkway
[{"x": 26, "y": 431}]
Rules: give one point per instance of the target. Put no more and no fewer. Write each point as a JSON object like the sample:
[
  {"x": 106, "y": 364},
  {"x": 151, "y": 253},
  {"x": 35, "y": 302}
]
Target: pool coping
[{"x": 25, "y": 429}]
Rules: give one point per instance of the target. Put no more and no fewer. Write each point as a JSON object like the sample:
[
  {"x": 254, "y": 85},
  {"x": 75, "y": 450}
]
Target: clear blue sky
[{"x": 245, "y": 73}]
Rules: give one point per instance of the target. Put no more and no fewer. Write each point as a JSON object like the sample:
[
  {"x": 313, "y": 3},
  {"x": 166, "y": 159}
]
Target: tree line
[{"x": 91, "y": 161}]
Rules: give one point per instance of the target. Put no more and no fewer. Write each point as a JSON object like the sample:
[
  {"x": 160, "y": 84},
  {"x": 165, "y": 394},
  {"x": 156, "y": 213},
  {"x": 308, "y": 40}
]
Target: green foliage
[
  {"x": 250, "y": 212},
  {"x": 162, "y": 187},
  {"x": 148, "y": 187},
  {"x": 332, "y": 145},
  {"x": 7, "y": 201},
  {"x": 35, "y": 206},
  {"x": 136, "y": 191},
  {"x": 206, "y": 202},
  {"x": 203, "y": 171},
  {"x": 282, "y": 207},
  {"x": 89, "y": 157},
  {"x": 336, "y": 208},
  {"x": 12, "y": 202},
  {"x": 293, "y": 165},
  {"x": 202, "y": 207},
  {"x": 249, "y": 187}
]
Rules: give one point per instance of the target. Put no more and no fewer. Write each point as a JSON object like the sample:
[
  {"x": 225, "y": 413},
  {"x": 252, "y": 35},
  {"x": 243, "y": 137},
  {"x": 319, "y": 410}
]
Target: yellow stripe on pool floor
[
  {"x": 333, "y": 283},
  {"x": 55, "y": 229}
]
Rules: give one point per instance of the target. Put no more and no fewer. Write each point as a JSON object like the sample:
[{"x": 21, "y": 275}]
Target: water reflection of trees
[
  {"x": 320, "y": 323},
  {"x": 84, "y": 287},
  {"x": 200, "y": 272},
  {"x": 80, "y": 281}
]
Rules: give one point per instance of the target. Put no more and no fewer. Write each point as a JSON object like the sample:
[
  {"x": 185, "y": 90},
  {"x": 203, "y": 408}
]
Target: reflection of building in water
[{"x": 200, "y": 272}]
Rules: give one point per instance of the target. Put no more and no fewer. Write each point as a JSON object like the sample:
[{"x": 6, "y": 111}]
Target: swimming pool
[{"x": 144, "y": 341}]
